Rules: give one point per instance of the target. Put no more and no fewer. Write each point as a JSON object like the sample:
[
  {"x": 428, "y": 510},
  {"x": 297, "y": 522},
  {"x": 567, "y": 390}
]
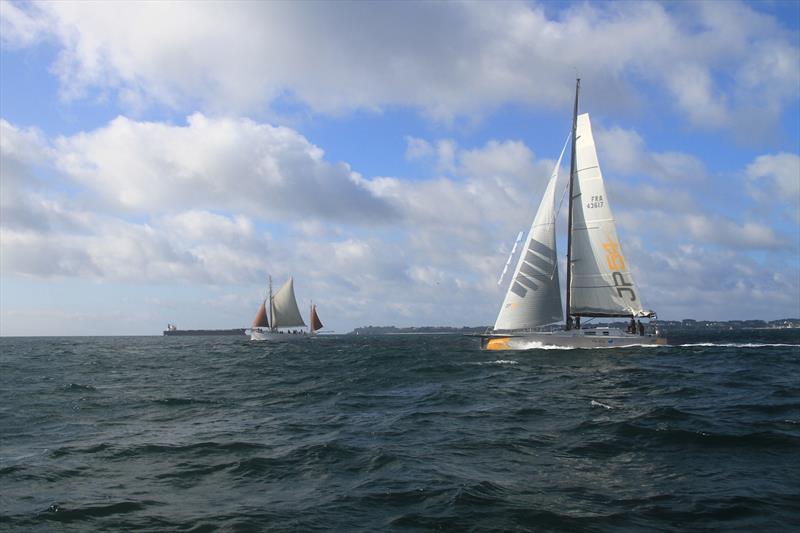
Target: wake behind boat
[
  {"x": 280, "y": 320},
  {"x": 599, "y": 282}
]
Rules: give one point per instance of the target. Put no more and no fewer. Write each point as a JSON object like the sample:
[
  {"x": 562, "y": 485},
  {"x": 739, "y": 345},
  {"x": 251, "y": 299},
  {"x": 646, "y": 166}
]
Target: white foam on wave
[
  {"x": 537, "y": 345},
  {"x": 498, "y": 362},
  {"x": 738, "y": 345},
  {"x": 595, "y": 403}
]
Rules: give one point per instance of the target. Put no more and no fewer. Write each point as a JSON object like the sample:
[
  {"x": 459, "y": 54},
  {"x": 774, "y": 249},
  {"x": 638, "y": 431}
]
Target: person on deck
[
  {"x": 632, "y": 326},
  {"x": 641, "y": 328}
]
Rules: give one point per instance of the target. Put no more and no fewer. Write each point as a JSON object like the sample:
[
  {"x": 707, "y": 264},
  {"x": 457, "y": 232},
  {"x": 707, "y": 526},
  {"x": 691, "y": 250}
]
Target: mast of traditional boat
[
  {"x": 572, "y": 172},
  {"x": 271, "y": 313}
]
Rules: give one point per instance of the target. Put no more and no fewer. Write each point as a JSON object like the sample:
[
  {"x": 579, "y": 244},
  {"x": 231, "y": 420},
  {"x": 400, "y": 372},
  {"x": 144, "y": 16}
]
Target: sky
[{"x": 161, "y": 159}]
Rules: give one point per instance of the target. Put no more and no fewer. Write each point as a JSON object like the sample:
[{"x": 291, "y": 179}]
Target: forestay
[
  {"x": 601, "y": 284},
  {"x": 285, "y": 313},
  {"x": 533, "y": 298}
]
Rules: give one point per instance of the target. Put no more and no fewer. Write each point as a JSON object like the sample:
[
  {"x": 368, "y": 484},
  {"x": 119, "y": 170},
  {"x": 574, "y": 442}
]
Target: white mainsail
[
  {"x": 534, "y": 298},
  {"x": 285, "y": 313},
  {"x": 602, "y": 284}
]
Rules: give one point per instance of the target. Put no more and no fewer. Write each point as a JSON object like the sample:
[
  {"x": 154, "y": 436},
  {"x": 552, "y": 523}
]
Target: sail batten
[{"x": 601, "y": 283}]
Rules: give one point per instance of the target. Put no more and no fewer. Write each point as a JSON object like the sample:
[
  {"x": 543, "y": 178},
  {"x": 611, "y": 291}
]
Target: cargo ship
[{"x": 172, "y": 330}]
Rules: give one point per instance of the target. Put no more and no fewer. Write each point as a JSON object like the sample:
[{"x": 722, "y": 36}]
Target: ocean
[{"x": 399, "y": 432}]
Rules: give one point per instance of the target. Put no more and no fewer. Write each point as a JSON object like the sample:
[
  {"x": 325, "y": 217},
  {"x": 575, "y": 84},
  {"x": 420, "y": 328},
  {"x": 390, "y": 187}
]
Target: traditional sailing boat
[
  {"x": 278, "y": 313},
  {"x": 599, "y": 283}
]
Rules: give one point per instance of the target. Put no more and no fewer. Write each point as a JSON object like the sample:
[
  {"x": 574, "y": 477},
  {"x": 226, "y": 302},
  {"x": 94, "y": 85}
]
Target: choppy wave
[
  {"x": 77, "y": 387},
  {"x": 739, "y": 345},
  {"x": 399, "y": 432}
]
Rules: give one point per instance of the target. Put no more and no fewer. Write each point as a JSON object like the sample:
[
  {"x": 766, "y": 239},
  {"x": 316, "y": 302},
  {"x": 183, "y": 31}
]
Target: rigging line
[{"x": 563, "y": 194}]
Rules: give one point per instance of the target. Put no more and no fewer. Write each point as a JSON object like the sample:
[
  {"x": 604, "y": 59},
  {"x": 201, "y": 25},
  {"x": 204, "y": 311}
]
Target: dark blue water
[{"x": 398, "y": 432}]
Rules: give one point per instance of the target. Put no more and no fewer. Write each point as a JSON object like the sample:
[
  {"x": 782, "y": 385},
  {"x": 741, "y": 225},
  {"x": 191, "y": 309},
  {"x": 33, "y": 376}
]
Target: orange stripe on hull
[{"x": 497, "y": 343}]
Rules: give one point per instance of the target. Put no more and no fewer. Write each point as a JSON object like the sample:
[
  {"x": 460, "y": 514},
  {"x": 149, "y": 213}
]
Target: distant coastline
[{"x": 686, "y": 324}]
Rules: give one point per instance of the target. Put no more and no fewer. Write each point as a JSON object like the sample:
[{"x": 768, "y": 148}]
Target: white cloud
[
  {"x": 624, "y": 151},
  {"x": 674, "y": 228},
  {"x": 774, "y": 179},
  {"x": 435, "y": 261},
  {"x": 447, "y": 59},
  {"x": 496, "y": 184},
  {"x": 444, "y": 227},
  {"x": 195, "y": 226},
  {"x": 21, "y": 150},
  {"x": 693, "y": 87},
  {"x": 695, "y": 281},
  {"x": 417, "y": 148},
  {"x": 19, "y": 28},
  {"x": 216, "y": 163}
]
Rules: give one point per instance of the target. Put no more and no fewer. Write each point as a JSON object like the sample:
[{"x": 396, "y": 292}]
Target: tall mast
[
  {"x": 271, "y": 316},
  {"x": 567, "y": 318}
]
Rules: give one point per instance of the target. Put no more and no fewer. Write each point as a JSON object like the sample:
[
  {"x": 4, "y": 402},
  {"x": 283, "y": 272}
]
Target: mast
[
  {"x": 567, "y": 317},
  {"x": 271, "y": 314}
]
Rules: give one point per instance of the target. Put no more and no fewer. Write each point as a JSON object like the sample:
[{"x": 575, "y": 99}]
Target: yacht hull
[
  {"x": 598, "y": 338},
  {"x": 276, "y": 336}
]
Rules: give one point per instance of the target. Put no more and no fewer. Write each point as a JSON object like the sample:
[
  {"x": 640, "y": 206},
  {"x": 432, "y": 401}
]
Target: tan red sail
[
  {"x": 316, "y": 323},
  {"x": 261, "y": 321}
]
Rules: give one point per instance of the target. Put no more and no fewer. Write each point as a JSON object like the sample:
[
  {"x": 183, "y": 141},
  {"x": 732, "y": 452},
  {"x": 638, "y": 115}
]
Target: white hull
[
  {"x": 259, "y": 334},
  {"x": 576, "y": 338}
]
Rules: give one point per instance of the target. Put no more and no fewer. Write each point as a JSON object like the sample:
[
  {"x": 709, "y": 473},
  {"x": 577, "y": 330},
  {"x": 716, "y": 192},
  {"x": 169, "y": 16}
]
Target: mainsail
[
  {"x": 285, "y": 313},
  {"x": 533, "y": 298},
  {"x": 261, "y": 321},
  {"x": 601, "y": 283}
]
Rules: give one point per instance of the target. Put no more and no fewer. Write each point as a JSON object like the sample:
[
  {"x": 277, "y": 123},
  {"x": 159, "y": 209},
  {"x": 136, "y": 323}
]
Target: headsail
[
  {"x": 510, "y": 257},
  {"x": 261, "y": 321},
  {"x": 285, "y": 313},
  {"x": 316, "y": 323},
  {"x": 533, "y": 298},
  {"x": 601, "y": 283}
]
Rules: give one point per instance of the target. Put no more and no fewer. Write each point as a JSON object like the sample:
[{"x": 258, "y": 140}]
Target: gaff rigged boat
[
  {"x": 599, "y": 282},
  {"x": 278, "y": 318}
]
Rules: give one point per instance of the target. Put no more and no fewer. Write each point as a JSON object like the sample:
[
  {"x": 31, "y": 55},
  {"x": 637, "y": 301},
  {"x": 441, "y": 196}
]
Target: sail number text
[{"x": 595, "y": 201}]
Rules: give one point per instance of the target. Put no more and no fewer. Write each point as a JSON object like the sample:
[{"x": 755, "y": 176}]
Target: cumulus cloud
[
  {"x": 774, "y": 179},
  {"x": 445, "y": 58},
  {"x": 116, "y": 250},
  {"x": 697, "y": 281},
  {"x": 436, "y": 259},
  {"x": 417, "y": 148},
  {"x": 497, "y": 183},
  {"x": 19, "y": 28},
  {"x": 215, "y": 163},
  {"x": 624, "y": 151},
  {"x": 438, "y": 250}
]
